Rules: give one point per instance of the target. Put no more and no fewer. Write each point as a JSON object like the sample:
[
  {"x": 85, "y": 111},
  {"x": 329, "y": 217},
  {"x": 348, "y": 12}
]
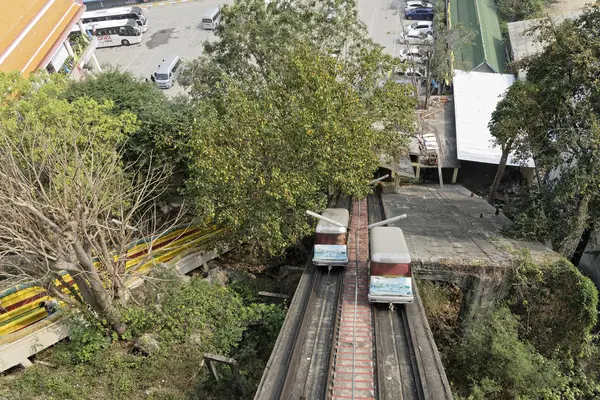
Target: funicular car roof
[
  {"x": 340, "y": 215},
  {"x": 388, "y": 245}
]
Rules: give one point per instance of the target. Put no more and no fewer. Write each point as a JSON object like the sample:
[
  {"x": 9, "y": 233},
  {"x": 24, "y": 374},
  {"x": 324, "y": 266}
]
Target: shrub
[
  {"x": 442, "y": 304},
  {"x": 518, "y": 10},
  {"x": 491, "y": 362},
  {"x": 557, "y": 304},
  {"x": 86, "y": 334},
  {"x": 174, "y": 309},
  {"x": 526, "y": 210}
]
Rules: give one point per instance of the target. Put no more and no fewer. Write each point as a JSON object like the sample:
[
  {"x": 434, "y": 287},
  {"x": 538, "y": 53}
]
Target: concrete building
[{"x": 34, "y": 34}]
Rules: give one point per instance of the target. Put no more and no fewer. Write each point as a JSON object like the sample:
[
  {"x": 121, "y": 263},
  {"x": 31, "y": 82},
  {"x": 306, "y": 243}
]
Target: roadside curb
[{"x": 164, "y": 3}]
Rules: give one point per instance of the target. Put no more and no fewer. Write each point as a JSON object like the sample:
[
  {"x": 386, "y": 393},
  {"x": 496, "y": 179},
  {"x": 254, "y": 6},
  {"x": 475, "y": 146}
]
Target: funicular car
[
  {"x": 331, "y": 240},
  {"x": 389, "y": 266}
]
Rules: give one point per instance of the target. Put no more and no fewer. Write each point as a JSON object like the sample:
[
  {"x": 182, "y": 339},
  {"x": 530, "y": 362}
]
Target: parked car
[
  {"x": 167, "y": 72},
  {"x": 418, "y": 4},
  {"x": 416, "y": 37},
  {"x": 419, "y": 13},
  {"x": 408, "y": 75},
  {"x": 422, "y": 26},
  {"x": 412, "y": 54}
]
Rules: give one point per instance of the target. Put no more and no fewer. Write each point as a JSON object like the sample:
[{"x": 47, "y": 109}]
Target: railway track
[
  {"x": 399, "y": 372},
  {"x": 311, "y": 355},
  {"x": 313, "y": 351},
  {"x": 304, "y": 357}
]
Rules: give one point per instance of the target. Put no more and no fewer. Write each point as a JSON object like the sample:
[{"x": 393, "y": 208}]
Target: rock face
[
  {"x": 218, "y": 276},
  {"x": 147, "y": 344},
  {"x": 159, "y": 268},
  {"x": 162, "y": 267}
]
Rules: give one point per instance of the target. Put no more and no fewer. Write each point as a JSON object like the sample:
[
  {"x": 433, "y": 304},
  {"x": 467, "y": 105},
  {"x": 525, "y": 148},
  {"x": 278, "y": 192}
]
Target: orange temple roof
[{"x": 30, "y": 30}]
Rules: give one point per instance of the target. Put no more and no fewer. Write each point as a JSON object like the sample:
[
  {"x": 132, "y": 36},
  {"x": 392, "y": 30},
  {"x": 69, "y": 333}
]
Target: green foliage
[
  {"x": 518, "y": 10},
  {"x": 269, "y": 316},
  {"x": 526, "y": 209},
  {"x": 245, "y": 35},
  {"x": 490, "y": 362},
  {"x": 246, "y": 293},
  {"x": 62, "y": 181},
  {"x": 284, "y": 120},
  {"x": 47, "y": 383},
  {"x": 447, "y": 40},
  {"x": 562, "y": 125},
  {"x": 558, "y": 304},
  {"x": 160, "y": 119},
  {"x": 178, "y": 309},
  {"x": 187, "y": 319},
  {"x": 14, "y": 88},
  {"x": 46, "y": 128},
  {"x": 87, "y": 335},
  {"x": 442, "y": 305},
  {"x": 538, "y": 345},
  {"x": 512, "y": 124},
  {"x": 514, "y": 118},
  {"x": 34, "y": 108}
]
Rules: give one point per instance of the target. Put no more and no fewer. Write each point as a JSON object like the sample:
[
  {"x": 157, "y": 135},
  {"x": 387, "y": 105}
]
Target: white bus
[
  {"x": 211, "y": 19},
  {"x": 114, "y": 33},
  {"x": 139, "y": 14}
]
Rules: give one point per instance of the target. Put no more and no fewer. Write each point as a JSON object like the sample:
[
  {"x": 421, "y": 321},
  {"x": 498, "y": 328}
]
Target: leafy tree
[
  {"x": 512, "y": 122},
  {"x": 247, "y": 30},
  {"x": 527, "y": 210},
  {"x": 566, "y": 133},
  {"x": 491, "y": 362},
  {"x": 282, "y": 122},
  {"x": 439, "y": 54},
  {"x": 159, "y": 119},
  {"x": 66, "y": 195},
  {"x": 539, "y": 344}
]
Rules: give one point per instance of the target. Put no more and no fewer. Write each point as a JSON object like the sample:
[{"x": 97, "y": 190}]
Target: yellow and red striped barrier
[{"x": 22, "y": 302}]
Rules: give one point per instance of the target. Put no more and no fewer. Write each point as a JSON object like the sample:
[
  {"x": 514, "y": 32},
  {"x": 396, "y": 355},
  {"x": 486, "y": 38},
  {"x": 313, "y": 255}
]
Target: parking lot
[
  {"x": 385, "y": 21},
  {"x": 172, "y": 29},
  {"x": 176, "y": 29}
]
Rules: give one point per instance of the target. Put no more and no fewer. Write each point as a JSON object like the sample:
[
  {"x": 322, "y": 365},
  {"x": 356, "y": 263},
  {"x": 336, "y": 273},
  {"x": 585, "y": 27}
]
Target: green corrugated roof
[{"x": 487, "y": 49}]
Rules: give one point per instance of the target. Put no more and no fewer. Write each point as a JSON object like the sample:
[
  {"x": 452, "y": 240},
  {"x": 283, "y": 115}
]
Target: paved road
[
  {"x": 173, "y": 29},
  {"x": 385, "y": 21}
]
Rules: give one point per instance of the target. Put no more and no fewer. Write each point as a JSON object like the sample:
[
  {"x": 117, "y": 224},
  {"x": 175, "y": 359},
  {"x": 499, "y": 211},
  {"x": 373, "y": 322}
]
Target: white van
[
  {"x": 167, "y": 71},
  {"x": 211, "y": 18}
]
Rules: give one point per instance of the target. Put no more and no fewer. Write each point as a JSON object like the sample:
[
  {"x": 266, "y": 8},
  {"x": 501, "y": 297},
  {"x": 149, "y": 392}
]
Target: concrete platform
[
  {"x": 455, "y": 236},
  {"x": 452, "y": 226}
]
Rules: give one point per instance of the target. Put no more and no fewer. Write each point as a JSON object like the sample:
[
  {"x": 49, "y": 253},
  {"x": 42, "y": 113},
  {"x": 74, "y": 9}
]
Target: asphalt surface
[
  {"x": 385, "y": 21},
  {"x": 175, "y": 29},
  {"x": 172, "y": 29}
]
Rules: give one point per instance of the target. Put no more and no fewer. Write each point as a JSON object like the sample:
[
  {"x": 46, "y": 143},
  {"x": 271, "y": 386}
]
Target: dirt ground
[{"x": 565, "y": 7}]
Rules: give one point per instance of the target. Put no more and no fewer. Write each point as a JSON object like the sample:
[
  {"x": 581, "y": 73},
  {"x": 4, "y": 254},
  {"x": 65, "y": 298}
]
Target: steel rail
[
  {"x": 399, "y": 369},
  {"x": 310, "y": 355},
  {"x": 301, "y": 372}
]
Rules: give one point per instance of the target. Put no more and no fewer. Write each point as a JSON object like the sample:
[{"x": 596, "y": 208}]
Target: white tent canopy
[{"x": 476, "y": 95}]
